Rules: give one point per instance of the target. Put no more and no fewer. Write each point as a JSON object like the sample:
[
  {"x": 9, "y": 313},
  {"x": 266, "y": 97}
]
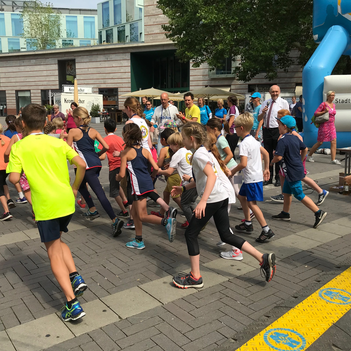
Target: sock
[
  {"x": 285, "y": 212},
  {"x": 138, "y": 239},
  {"x": 70, "y": 303},
  {"x": 321, "y": 192},
  {"x": 164, "y": 221},
  {"x": 73, "y": 275},
  {"x": 248, "y": 223},
  {"x": 265, "y": 229},
  {"x": 317, "y": 213},
  {"x": 21, "y": 195}
]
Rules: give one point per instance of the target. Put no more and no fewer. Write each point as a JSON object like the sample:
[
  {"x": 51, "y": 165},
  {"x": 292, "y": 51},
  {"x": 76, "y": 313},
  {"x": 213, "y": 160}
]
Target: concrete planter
[{"x": 95, "y": 119}]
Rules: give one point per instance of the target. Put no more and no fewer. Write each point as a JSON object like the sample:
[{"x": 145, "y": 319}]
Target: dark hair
[
  {"x": 189, "y": 94},
  {"x": 10, "y": 121},
  {"x": 166, "y": 133},
  {"x": 49, "y": 128},
  {"x": 110, "y": 125},
  {"x": 132, "y": 135},
  {"x": 232, "y": 100},
  {"x": 34, "y": 116},
  {"x": 214, "y": 123},
  {"x": 74, "y": 104}
]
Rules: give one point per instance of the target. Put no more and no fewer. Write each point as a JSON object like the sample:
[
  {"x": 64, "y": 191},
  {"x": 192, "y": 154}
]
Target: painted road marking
[{"x": 299, "y": 328}]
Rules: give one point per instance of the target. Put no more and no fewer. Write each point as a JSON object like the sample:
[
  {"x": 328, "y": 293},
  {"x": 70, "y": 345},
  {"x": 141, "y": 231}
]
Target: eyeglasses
[{"x": 148, "y": 104}]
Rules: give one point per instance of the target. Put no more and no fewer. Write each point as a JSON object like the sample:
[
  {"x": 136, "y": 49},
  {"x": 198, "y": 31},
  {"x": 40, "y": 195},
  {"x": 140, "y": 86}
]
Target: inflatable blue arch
[{"x": 332, "y": 29}]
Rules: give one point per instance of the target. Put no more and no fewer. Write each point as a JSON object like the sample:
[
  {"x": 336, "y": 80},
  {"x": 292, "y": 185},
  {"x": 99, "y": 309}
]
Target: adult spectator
[
  {"x": 249, "y": 107},
  {"x": 220, "y": 111},
  {"x": 268, "y": 113},
  {"x": 192, "y": 112},
  {"x": 205, "y": 112},
  {"x": 326, "y": 130},
  {"x": 149, "y": 110},
  {"x": 256, "y": 130},
  {"x": 163, "y": 114},
  {"x": 56, "y": 113},
  {"x": 70, "y": 120},
  {"x": 232, "y": 113},
  {"x": 144, "y": 100},
  {"x": 292, "y": 105},
  {"x": 297, "y": 113}
]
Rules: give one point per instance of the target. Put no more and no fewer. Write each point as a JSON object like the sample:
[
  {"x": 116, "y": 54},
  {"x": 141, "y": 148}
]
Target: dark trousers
[
  {"x": 232, "y": 141},
  {"x": 270, "y": 139},
  {"x": 299, "y": 124}
]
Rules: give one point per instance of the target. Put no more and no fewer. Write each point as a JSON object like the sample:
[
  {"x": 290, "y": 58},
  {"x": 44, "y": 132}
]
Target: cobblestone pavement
[{"x": 131, "y": 303}]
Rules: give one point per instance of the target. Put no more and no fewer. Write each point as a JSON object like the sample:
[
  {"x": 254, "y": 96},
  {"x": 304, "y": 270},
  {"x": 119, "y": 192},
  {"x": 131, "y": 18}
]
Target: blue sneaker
[
  {"x": 171, "y": 228},
  {"x": 78, "y": 285},
  {"x": 117, "y": 227},
  {"x": 73, "y": 313},
  {"x": 139, "y": 245},
  {"x": 21, "y": 201},
  {"x": 91, "y": 215},
  {"x": 322, "y": 197}
]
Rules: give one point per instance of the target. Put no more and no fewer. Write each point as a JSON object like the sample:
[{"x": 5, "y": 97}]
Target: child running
[
  {"x": 45, "y": 161},
  {"x": 214, "y": 202},
  {"x": 293, "y": 151},
  {"x": 137, "y": 160}
]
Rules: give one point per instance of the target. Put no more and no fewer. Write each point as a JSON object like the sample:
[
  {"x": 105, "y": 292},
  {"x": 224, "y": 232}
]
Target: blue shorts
[
  {"x": 51, "y": 229},
  {"x": 252, "y": 191},
  {"x": 294, "y": 188}
]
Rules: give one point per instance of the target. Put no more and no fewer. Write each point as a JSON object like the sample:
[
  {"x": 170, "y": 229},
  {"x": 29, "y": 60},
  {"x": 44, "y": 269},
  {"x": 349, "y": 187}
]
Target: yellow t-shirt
[
  {"x": 193, "y": 112},
  {"x": 44, "y": 161}
]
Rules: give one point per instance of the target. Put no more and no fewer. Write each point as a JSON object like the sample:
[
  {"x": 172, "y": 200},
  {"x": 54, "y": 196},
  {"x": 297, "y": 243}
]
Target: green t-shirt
[
  {"x": 44, "y": 161},
  {"x": 193, "y": 112},
  {"x": 221, "y": 144}
]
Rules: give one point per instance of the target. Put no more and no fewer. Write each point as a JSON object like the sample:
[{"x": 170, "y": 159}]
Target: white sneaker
[
  {"x": 319, "y": 151},
  {"x": 310, "y": 159},
  {"x": 232, "y": 255},
  {"x": 327, "y": 151},
  {"x": 220, "y": 243},
  {"x": 336, "y": 162}
]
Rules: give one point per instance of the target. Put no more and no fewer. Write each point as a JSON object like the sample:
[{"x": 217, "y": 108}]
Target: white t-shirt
[
  {"x": 164, "y": 115},
  {"x": 200, "y": 159},
  {"x": 181, "y": 162},
  {"x": 144, "y": 131},
  {"x": 250, "y": 148},
  {"x": 278, "y": 104}
]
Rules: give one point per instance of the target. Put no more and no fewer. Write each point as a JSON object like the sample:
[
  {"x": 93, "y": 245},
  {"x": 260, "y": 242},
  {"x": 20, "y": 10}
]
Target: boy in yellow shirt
[{"x": 45, "y": 160}]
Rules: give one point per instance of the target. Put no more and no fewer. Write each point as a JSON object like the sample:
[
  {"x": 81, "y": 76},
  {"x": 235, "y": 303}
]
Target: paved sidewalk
[{"x": 131, "y": 303}]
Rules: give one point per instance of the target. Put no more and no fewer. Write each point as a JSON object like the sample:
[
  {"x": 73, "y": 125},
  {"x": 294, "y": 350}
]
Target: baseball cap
[
  {"x": 289, "y": 121},
  {"x": 256, "y": 95}
]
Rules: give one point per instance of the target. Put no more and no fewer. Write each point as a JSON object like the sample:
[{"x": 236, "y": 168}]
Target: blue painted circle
[
  {"x": 284, "y": 339},
  {"x": 336, "y": 296}
]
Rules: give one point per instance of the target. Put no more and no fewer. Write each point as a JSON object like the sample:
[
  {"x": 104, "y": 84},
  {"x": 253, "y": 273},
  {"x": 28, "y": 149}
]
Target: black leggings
[
  {"x": 233, "y": 142},
  {"x": 3, "y": 176},
  {"x": 92, "y": 178},
  {"x": 219, "y": 211}
]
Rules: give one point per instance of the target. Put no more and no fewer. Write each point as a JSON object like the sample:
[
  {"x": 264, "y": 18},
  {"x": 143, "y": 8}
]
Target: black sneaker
[
  {"x": 117, "y": 227},
  {"x": 282, "y": 216},
  {"x": 268, "y": 266},
  {"x": 10, "y": 203},
  {"x": 319, "y": 218},
  {"x": 129, "y": 224},
  {"x": 91, "y": 215},
  {"x": 244, "y": 228},
  {"x": 278, "y": 198},
  {"x": 6, "y": 216},
  {"x": 265, "y": 236},
  {"x": 171, "y": 213},
  {"x": 322, "y": 197},
  {"x": 123, "y": 214},
  {"x": 187, "y": 281}
]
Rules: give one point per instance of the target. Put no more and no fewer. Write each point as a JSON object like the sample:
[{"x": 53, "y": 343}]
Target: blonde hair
[
  {"x": 175, "y": 139},
  {"x": 134, "y": 106},
  {"x": 220, "y": 101},
  {"x": 244, "y": 120},
  {"x": 1, "y": 131},
  {"x": 211, "y": 146},
  {"x": 330, "y": 92},
  {"x": 195, "y": 130},
  {"x": 281, "y": 113},
  {"x": 83, "y": 114},
  {"x": 58, "y": 123}
]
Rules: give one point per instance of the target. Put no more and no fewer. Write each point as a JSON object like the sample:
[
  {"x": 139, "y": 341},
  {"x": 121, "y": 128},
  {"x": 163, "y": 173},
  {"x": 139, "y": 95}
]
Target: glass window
[
  {"x": 71, "y": 27},
  {"x": 89, "y": 27},
  {"x": 84, "y": 42},
  {"x": 140, "y": 13},
  {"x": 17, "y": 24},
  {"x": 22, "y": 98},
  {"x": 117, "y": 11},
  {"x": 226, "y": 67},
  {"x": 121, "y": 34},
  {"x": 31, "y": 44},
  {"x": 109, "y": 36},
  {"x": 0, "y": 46},
  {"x": 66, "y": 43},
  {"x": 2, "y": 24},
  {"x": 14, "y": 45},
  {"x": 134, "y": 33},
  {"x": 105, "y": 14},
  {"x": 129, "y": 10}
]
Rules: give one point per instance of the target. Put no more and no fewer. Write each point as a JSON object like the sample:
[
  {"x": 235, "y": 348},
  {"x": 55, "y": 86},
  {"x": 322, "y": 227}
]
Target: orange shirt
[
  {"x": 6, "y": 140},
  {"x": 115, "y": 143}
]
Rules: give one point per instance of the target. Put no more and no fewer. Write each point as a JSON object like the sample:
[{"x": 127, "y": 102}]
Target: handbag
[{"x": 322, "y": 118}]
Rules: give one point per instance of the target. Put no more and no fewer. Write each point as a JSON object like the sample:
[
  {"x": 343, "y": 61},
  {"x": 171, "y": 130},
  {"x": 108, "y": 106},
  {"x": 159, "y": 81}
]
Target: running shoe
[
  {"x": 336, "y": 162},
  {"x": 278, "y": 198},
  {"x": 252, "y": 216},
  {"x": 123, "y": 214},
  {"x": 91, "y": 215},
  {"x": 187, "y": 281},
  {"x": 10, "y": 203},
  {"x": 156, "y": 213},
  {"x": 282, "y": 216},
  {"x": 268, "y": 266},
  {"x": 220, "y": 243},
  {"x": 244, "y": 228},
  {"x": 81, "y": 204},
  {"x": 78, "y": 285},
  {"x": 319, "y": 218},
  {"x": 185, "y": 224},
  {"x": 171, "y": 229},
  {"x": 322, "y": 197},
  {"x": 6, "y": 216},
  {"x": 117, "y": 227},
  {"x": 129, "y": 224},
  {"x": 73, "y": 313},
  {"x": 136, "y": 244},
  {"x": 171, "y": 213},
  {"x": 265, "y": 236},
  {"x": 236, "y": 255},
  {"x": 319, "y": 151},
  {"x": 310, "y": 159},
  {"x": 21, "y": 201}
]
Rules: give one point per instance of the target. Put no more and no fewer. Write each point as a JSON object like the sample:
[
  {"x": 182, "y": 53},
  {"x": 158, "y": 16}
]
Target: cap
[
  {"x": 289, "y": 121},
  {"x": 256, "y": 95}
]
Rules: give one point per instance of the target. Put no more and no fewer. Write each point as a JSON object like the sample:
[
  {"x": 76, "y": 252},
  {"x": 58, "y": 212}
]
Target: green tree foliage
[
  {"x": 41, "y": 25},
  {"x": 262, "y": 32}
]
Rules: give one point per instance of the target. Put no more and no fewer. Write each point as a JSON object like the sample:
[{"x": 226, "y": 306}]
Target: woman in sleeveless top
[{"x": 83, "y": 138}]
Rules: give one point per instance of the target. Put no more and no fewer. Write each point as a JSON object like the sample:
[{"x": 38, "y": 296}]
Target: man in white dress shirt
[{"x": 268, "y": 113}]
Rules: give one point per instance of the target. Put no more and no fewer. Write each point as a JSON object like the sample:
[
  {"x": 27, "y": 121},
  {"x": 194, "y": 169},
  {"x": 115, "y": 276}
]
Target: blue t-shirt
[
  {"x": 10, "y": 133},
  {"x": 149, "y": 113},
  {"x": 256, "y": 112},
  {"x": 204, "y": 114},
  {"x": 297, "y": 112},
  {"x": 220, "y": 112},
  {"x": 289, "y": 146}
]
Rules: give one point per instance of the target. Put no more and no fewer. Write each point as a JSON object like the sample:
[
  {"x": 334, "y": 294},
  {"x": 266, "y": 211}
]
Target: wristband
[
  {"x": 184, "y": 189},
  {"x": 190, "y": 179}
]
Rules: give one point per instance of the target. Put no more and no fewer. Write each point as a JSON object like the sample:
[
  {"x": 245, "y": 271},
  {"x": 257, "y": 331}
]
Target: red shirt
[{"x": 115, "y": 143}]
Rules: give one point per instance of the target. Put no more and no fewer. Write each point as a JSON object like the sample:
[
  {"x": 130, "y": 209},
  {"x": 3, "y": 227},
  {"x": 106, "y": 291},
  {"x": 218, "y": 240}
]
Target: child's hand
[
  {"x": 116, "y": 153},
  {"x": 176, "y": 190},
  {"x": 186, "y": 177},
  {"x": 227, "y": 171},
  {"x": 200, "y": 210},
  {"x": 166, "y": 166},
  {"x": 75, "y": 191},
  {"x": 266, "y": 174}
]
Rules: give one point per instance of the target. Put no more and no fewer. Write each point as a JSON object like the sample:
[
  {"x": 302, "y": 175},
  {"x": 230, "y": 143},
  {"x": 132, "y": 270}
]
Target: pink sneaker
[
  {"x": 80, "y": 204},
  {"x": 232, "y": 255}
]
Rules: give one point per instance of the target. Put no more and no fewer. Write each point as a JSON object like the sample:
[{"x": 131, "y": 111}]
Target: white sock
[{"x": 20, "y": 194}]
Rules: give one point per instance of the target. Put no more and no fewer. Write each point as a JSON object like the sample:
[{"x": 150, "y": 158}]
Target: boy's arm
[
  {"x": 167, "y": 172},
  {"x": 80, "y": 164},
  {"x": 303, "y": 153},
  {"x": 162, "y": 157},
  {"x": 240, "y": 166},
  {"x": 122, "y": 170},
  {"x": 152, "y": 162},
  {"x": 8, "y": 149}
]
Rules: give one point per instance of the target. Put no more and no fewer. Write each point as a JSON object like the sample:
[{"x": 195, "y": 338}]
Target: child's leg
[
  {"x": 310, "y": 204},
  {"x": 245, "y": 207},
  {"x": 28, "y": 196},
  {"x": 166, "y": 199},
  {"x": 120, "y": 203},
  {"x": 287, "y": 202},
  {"x": 18, "y": 189},
  {"x": 3, "y": 201},
  {"x": 282, "y": 180},
  {"x": 143, "y": 215},
  {"x": 258, "y": 213},
  {"x": 137, "y": 222},
  {"x": 188, "y": 203},
  {"x": 122, "y": 194},
  {"x": 312, "y": 184},
  {"x": 86, "y": 196},
  {"x": 177, "y": 200}
]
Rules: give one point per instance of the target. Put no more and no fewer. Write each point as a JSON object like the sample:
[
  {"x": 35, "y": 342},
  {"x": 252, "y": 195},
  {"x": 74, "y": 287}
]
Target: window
[
  {"x": 84, "y": 42},
  {"x": 2, "y": 24},
  {"x": 134, "y": 34},
  {"x": 22, "y": 98},
  {"x": 140, "y": 13},
  {"x": 226, "y": 67},
  {"x": 129, "y": 10},
  {"x": 117, "y": 11},
  {"x": 14, "y": 45},
  {"x": 66, "y": 43},
  {"x": 71, "y": 27},
  {"x": 66, "y": 72},
  {"x": 121, "y": 32},
  {"x": 31, "y": 44},
  {"x": 17, "y": 24},
  {"x": 0, "y": 47},
  {"x": 109, "y": 36},
  {"x": 105, "y": 14},
  {"x": 89, "y": 27}
]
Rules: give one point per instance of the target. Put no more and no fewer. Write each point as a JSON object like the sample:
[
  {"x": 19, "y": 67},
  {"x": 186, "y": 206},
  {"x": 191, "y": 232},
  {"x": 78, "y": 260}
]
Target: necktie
[{"x": 269, "y": 114}]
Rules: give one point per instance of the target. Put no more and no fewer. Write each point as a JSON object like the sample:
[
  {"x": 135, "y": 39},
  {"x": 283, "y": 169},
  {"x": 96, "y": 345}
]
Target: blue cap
[
  {"x": 256, "y": 95},
  {"x": 289, "y": 121}
]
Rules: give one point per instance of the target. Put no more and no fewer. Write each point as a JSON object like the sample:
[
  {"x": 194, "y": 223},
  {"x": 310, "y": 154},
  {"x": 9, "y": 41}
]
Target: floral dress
[{"x": 326, "y": 130}]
